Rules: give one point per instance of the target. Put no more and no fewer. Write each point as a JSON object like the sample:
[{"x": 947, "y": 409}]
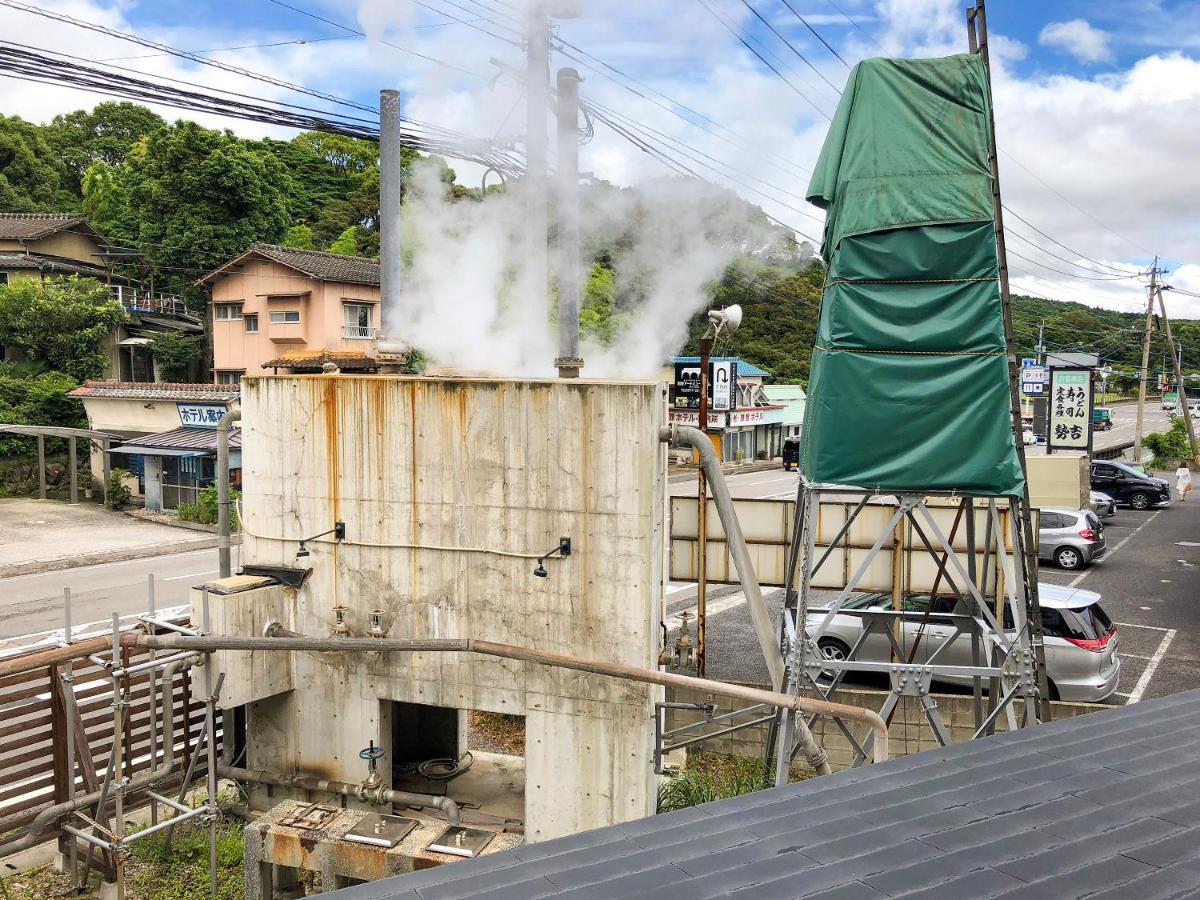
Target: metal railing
[
  {"x": 141, "y": 300},
  {"x": 358, "y": 332}
]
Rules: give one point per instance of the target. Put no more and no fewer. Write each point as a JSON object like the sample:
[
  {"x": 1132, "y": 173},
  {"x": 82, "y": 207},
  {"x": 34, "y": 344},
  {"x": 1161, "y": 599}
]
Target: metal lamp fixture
[
  {"x": 338, "y": 531},
  {"x": 563, "y": 549},
  {"x": 727, "y": 319}
]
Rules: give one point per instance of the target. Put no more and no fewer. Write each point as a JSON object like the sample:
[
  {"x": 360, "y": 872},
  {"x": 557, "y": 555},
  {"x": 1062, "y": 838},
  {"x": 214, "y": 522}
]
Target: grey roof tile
[
  {"x": 637, "y": 884},
  {"x": 1179, "y": 847},
  {"x": 1100, "y": 873},
  {"x": 977, "y": 884},
  {"x": 1181, "y": 880},
  {"x": 1089, "y": 849}
]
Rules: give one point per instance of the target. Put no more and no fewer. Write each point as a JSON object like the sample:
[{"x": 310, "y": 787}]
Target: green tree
[
  {"x": 106, "y": 202},
  {"x": 176, "y": 354},
  {"x": 32, "y": 176},
  {"x": 60, "y": 323},
  {"x": 300, "y": 237},
  {"x": 104, "y": 134},
  {"x": 346, "y": 242},
  {"x": 598, "y": 318},
  {"x": 36, "y": 400},
  {"x": 1169, "y": 445}
]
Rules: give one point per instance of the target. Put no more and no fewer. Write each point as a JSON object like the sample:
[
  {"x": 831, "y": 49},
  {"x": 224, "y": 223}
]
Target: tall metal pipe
[
  {"x": 223, "y": 559},
  {"x": 537, "y": 99},
  {"x": 389, "y": 212},
  {"x": 541, "y": 657},
  {"x": 569, "y": 362}
]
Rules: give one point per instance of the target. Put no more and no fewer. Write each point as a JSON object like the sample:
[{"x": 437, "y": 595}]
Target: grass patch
[
  {"x": 716, "y": 776},
  {"x": 496, "y": 732}
]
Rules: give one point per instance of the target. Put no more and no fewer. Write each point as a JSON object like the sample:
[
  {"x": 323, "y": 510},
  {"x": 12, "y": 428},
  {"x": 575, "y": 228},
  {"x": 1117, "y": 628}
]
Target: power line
[
  {"x": 1078, "y": 255},
  {"x": 838, "y": 9},
  {"x": 816, "y": 34},
  {"x": 1071, "y": 274},
  {"x": 762, "y": 58},
  {"x": 790, "y": 45},
  {"x": 313, "y": 40},
  {"x": 1072, "y": 262}
]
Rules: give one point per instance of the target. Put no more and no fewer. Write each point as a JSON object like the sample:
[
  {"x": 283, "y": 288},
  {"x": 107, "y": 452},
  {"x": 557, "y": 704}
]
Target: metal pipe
[
  {"x": 390, "y": 260},
  {"x": 90, "y": 838},
  {"x": 150, "y": 611},
  {"x": 380, "y": 796},
  {"x": 223, "y": 560},
  {"x": 211, "y": 703},
  {"x": 569, "y": 362},
  {"x": 488, "y": 648},
  {"x": 166, "y": 823},
  {"x": 138, "y": 782},
  {"x": 151, "y": 664},
  {"x": 68, "y": 693},
  {"x": 736, "y": 542}
]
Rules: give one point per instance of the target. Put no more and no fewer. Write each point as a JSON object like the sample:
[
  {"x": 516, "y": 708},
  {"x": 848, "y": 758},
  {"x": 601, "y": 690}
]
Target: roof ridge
[{"x": 285, "y": 249}]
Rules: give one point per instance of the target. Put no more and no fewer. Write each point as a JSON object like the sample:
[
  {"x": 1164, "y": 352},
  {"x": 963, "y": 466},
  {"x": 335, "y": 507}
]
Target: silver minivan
[
  {"x": 1070, "y": 538},
  {"x": 1080, "y": 639}
]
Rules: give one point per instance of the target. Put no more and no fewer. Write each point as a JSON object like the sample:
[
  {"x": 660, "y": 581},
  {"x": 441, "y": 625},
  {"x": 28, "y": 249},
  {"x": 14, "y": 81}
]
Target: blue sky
[{"x": 1097, "y": 102}]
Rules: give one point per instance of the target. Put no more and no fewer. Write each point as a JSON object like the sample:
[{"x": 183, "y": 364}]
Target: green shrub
[
  {"x": 1168, "y": 445},
  {"x": 204, "y": 510},
  {"x": 712, "y": 776},
  {"x": 116, "y": 494}
]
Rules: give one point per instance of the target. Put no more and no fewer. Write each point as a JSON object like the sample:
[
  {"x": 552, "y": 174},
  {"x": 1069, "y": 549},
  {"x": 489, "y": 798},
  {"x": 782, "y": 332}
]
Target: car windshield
[
  {"x": 1126, "y": 470},
  {"x": 1088, "y": 623}
]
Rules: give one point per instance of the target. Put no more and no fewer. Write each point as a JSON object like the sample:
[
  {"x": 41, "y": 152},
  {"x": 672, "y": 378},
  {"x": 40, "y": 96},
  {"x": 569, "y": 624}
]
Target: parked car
[
  {"x": 1128, "y": 486},
  {"x": 1104, "y": 506},
  {"x": 1080, "y": 639},
  {"x": 791, "y": 454},
  {"x": 1027, "y": 437},
  {"x": 1071, "y": 538}
]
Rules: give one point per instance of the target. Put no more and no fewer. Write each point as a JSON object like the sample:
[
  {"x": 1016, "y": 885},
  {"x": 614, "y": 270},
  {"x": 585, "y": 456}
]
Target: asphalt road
[
  {"x": 1124, "y": 419},
  {"x": 33, "y": 603},
  {"x": 1149, "y": 581}
]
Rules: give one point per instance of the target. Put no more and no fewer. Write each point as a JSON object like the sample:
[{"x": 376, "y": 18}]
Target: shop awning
[{"x": 137, "y": 450}]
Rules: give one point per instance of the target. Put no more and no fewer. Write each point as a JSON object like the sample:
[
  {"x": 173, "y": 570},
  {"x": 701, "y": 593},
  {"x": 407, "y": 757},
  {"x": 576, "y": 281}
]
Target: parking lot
[{"x": 1149, "y": 580}]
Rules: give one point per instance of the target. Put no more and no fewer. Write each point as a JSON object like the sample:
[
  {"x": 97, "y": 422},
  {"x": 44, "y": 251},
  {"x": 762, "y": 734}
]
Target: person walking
[{"x": 1183, "y": 481}]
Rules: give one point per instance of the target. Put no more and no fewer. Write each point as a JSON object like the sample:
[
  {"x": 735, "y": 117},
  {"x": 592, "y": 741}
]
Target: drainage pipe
[
  {"x": 223, "y": 562},
  {"x": 381, "y": 796},
  {"x": 52, "y": 814},
  {"x": 678, "y": 435},
  {"x": 488, "y": 648}
]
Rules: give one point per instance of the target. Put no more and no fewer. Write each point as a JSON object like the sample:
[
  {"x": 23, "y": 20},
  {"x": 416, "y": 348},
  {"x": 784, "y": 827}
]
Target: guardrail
[
  {"x": 139, "y": 300},
  {"x": 1115, "y": 451}
]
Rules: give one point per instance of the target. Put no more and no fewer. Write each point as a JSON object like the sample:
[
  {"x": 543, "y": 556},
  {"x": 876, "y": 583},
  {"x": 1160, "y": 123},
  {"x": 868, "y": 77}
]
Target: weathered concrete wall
[
  {"x": 909, "y": 731},
  {"x": 436, "y": 480}
]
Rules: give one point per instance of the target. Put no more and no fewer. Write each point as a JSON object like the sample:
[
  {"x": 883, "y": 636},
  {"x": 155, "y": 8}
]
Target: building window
[
  {"x": 251, "y": 321},
  {"x": 227, "y": 312},
  {"x": 356, "y": 319},
  {"x": 231, "y": 377},
  {"x": 286, "y": 317}
]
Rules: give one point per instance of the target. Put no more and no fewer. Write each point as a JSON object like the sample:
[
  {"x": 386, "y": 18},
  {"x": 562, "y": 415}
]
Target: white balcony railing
[
  {"x": 141, "y": 300},
  {"x": 358, "y": 332}
]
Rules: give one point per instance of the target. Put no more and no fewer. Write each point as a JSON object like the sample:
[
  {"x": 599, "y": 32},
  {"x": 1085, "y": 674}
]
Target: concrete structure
[
  {"x": 59, "y": 245},
  {"x": 275, "y": 307},
  {"x": 450, "y": 488},
  {"x": 752, "y": 426},
  {"x": 1063, "y": 479},
  {"x": 171, "y": 428}
]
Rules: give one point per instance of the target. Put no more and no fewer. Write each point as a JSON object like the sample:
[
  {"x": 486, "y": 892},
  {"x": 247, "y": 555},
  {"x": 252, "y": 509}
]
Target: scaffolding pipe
[
  {"x": 567, "y": 208},
  {"x": 390, "y": 171},
  {"x": 380, "y": 796},
  {"x": 223, "y": 561},
  {"x": 507, "y": 651},
  {"x": 140, "y": 782}
]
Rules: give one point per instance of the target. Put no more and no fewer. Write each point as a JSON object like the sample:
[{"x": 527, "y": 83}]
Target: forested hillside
[{"x": 191, "y": 198}]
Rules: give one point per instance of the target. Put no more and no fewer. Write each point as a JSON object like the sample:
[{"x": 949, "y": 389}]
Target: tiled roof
[
  {"x": 743, "y": 367},
  {"x": 315, "y": 359},
  {"x": 1104, "y": 805},
  {"x": 157, "y": 390},
  {"x": 318, "y": 264},
  {"x": 29, "y": 226},
  {"x": 49, "y": 264},
  {"x": 186, "y": 439}
]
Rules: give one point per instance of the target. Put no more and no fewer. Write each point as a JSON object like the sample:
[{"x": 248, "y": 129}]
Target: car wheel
[
  {"x": 1139, "y": 501},
  {"x": 1053, "y": 688},
  {"x": 1068, "y": 558},
  {"x": 832, "y": 648}
]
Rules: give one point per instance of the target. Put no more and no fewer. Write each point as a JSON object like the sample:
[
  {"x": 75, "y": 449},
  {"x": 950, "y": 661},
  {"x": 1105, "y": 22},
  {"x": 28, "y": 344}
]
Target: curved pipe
[
  {"x": 488, "y": 648},
  {"x": 381, "y": 796},
  {"x": 223, "y": 556},
  {"x": 52, "y": 814}
]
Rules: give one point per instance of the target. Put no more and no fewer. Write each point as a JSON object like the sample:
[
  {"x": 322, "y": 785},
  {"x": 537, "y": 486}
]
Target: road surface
[
  {"x": 1124, "y": 419},
  {"x": 33, "y": 603}
]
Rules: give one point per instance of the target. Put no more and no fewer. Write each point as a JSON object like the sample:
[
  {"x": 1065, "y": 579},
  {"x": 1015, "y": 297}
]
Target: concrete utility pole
[
  {"x": 1145, "y": 373},
  {"x": 568, "y": 362},
  {"x": 706, "y": 345},
  {"x": 1179, "y": 388},
  {"x": 389, "y": 212},
  {"x": 537, "y": 98}
]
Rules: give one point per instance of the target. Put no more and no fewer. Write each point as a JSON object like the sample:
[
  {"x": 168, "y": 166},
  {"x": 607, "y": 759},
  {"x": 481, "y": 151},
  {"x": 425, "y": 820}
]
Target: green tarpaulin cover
[{"x": 909, "y": 388}]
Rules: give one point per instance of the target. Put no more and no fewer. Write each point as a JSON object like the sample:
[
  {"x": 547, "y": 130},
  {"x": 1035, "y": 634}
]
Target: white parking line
[
  {"x": 1144, "y": 682},
  {"x": 714, "y": 607},
  {"x": 1109, "y": 555},
  {"x": 193, "y": 575},
  {"x": 680, "y": 587}
]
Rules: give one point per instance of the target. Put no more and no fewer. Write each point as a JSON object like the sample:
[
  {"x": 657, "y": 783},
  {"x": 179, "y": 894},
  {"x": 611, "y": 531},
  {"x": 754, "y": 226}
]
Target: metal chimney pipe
[
  {"x": 569, "y": 362},
  {"x": 389, "y": 214}
]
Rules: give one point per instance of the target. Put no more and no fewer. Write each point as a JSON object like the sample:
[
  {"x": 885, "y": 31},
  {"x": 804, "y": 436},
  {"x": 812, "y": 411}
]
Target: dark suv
[{"x": 1128, "y": 486}]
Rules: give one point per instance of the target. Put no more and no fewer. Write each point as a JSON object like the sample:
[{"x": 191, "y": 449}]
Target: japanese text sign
[{"x": 1069, "y": 410}]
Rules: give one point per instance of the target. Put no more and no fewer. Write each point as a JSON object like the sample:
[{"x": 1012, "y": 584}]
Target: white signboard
[
  {"x": 1069, "y": 410},
  {"x": 692, "y": 417},
  {"x": 724, "y": 384},
  {"x": 1033, "y": 377},
  {"x": 200, "y": 415}
]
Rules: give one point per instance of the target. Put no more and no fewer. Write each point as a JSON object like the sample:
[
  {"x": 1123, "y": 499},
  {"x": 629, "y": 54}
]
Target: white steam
[{"x": 665, "y": 241}]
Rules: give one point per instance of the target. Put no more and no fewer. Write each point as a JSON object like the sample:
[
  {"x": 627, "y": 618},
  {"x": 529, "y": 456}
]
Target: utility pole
[
  {"x": 1145, "y": 374},
  {"x": 706, "y": 345},
  {"x": 1182, "y": 402},
  {"x": 390, "y": 271}
]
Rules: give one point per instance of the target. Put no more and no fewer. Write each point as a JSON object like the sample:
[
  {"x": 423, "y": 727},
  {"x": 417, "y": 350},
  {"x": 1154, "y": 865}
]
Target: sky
[{"x": 1097, "y": 102}]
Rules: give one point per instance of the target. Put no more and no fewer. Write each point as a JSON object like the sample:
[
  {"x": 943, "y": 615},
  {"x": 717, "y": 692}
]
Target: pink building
[{"x": 279, "y": 307}]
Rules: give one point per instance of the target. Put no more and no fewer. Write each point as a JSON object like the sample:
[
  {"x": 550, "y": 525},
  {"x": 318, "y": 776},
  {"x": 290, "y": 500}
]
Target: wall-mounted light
[
  {"x": 338, "y": 531},
  {"x": 563, "y": 549}
]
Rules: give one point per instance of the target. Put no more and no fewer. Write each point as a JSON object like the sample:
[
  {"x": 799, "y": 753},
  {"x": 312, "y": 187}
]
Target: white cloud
[{"x": 1078, "y": 38}]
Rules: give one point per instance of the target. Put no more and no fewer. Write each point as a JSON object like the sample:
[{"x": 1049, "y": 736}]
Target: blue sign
[{"x": 200, "y": 415}]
